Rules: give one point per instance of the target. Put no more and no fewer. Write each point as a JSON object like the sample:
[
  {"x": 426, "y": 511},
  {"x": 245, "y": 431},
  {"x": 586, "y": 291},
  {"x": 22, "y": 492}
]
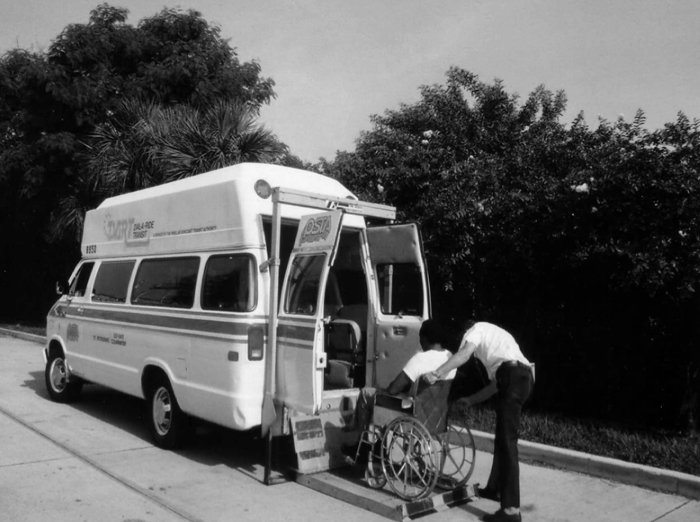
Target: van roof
[{"x": 210, "y": 211}]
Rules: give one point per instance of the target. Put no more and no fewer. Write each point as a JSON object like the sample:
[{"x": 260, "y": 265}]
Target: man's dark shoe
[
  {"x": 489, "y": 494},
  {"x": 502, "y": 516}
]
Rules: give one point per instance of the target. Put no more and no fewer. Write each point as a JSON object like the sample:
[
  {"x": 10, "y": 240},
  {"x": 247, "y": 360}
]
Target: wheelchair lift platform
[
  {"x": 322, "y": 466},
  {"x": 348, "y": 484}
]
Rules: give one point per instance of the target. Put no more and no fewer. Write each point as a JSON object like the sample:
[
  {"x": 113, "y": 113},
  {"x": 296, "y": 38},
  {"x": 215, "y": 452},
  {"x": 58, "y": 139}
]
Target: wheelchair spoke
[{"x": 408, "y": 459}]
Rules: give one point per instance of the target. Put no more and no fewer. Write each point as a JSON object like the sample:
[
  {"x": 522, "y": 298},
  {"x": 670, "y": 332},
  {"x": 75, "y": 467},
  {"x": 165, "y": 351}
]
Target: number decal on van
[{"x": 91, "y": 249}]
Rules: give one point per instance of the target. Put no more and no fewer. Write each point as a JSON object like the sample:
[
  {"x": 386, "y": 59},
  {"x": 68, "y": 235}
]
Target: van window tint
[
  {"x": 112, "y": 281},
  {"x": 166, "y": 282},
  {"x": 400, "y": 288},
  {"x": 304, "y": 282},
  {"x": 79, "y": 286},
  {"x": 229, "y": 284}
]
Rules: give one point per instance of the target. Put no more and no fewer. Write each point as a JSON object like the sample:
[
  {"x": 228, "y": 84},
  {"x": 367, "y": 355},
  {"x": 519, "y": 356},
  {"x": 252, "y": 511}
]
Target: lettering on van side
[
  {"x": 118, "y": 229},
  {"x": 316, "y": 229},
  {"x": 196, "y": 230},
  {"x": 117, "y": 339},
  {"x": 140, "y": 230}
]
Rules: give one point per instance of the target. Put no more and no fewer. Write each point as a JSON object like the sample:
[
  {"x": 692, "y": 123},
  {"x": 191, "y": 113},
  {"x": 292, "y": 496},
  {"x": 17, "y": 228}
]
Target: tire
[
  {"x": 168, "y": 424},
  {"x": 409, "y": 458},
  {"x": 60, "y": 385}
]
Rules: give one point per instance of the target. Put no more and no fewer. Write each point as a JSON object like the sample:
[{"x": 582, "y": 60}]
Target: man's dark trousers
[{"x": 515, "y": 384}]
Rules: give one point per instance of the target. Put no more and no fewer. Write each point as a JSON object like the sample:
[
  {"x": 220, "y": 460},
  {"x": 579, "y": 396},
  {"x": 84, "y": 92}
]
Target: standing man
[{"x": 510, "y": 375}]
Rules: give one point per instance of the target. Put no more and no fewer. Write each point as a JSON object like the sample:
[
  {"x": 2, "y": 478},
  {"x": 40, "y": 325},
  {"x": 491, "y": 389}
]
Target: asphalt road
[{"x": 93, "y": 461}]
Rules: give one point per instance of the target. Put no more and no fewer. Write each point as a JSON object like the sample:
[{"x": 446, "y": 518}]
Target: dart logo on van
[{"x": 316, "y": 229}]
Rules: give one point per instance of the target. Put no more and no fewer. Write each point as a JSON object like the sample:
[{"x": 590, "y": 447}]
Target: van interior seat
[
  {"x": 346, "y": 347},
  {"x": 356, "y": 313}
]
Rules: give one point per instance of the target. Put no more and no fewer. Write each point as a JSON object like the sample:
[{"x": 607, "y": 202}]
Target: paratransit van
[{"x": 252, "y": 297}]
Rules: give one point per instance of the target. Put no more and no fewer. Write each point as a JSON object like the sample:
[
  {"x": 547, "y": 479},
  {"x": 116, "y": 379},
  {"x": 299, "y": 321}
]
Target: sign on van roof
[{"x": 215, "y": 210}]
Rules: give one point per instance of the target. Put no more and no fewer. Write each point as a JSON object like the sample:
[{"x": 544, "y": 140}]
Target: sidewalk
[{"x": 102, "y": 443}]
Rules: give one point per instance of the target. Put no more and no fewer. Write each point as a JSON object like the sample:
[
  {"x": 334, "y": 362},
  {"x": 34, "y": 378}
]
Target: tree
[
  {"x": 52, "y": 102},
  {"x": 583, "y": 242},
  {"x": 145, "y": 144}
]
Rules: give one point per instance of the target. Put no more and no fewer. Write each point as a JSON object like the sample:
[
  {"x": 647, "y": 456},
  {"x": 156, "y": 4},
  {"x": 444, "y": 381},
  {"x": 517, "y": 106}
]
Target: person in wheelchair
[{"x": 433, "y": 355}]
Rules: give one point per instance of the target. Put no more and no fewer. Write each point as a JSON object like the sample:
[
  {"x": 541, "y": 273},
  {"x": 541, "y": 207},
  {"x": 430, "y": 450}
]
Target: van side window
[
  {"x": 229, "y": 284},
  {"x": 166, "y": 282},
  {"x": 79, "y": 286},
  {"x": 304, "y": 283},
  {"x": 112, "y": 281},
  {"x": 400, "y": 288}
]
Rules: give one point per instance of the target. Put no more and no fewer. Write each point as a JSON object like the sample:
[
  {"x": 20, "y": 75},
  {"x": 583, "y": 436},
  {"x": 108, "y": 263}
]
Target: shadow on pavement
[{"x": 211, "y": 445}]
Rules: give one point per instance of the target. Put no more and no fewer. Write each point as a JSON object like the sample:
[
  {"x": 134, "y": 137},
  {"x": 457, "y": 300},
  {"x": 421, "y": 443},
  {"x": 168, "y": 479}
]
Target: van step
[
  {"x": 318, "y": 438},
  {"x": 309, "y": 443}
]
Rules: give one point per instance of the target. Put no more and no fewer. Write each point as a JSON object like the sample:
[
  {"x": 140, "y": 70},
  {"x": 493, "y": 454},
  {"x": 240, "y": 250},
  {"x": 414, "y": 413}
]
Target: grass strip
[{"x": 640, "y": 444}]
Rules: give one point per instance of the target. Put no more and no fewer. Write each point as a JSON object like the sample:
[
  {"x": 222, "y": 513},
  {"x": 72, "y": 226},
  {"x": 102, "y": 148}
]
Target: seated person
[{"x": 434, "y": 355}]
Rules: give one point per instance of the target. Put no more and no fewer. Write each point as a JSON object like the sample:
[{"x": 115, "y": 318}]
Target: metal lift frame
[{"x": 312, "y": 201}]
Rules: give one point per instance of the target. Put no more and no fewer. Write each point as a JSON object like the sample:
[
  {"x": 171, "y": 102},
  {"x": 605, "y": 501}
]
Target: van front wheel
[
  {"x": 60, "y": 386},
  {"x": 168, "y": 424}
]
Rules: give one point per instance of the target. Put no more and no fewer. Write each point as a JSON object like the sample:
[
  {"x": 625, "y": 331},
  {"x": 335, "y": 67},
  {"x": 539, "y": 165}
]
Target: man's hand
[
  {"x": 430, "y": 377},
  {"x": 464, "y": 402}
]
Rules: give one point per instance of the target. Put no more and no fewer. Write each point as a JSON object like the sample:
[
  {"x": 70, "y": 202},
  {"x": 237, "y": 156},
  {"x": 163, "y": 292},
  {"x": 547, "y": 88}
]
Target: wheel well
[
  {"x": 151, "y": 374},
  {"x": 55, "y": 348}
]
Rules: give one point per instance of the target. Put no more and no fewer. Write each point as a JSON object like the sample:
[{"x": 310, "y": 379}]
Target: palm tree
[
  {"x": 192, "y": 141},
  {"x": 144, "y": 144}
]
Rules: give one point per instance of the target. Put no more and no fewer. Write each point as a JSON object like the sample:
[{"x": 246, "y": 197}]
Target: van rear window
[
  {"x": 112, "y": 281},
  {"x": 166, "y": 282},
  {"x": 229, "y": 284},
  {"x": 400, "y": 288}
]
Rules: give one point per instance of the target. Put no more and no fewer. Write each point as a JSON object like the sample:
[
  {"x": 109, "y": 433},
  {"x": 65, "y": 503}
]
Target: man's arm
[
  {"x": 457, "y": 360},
  {"x": 483, "y": 394},
  {"x": 400, "y": 384}
]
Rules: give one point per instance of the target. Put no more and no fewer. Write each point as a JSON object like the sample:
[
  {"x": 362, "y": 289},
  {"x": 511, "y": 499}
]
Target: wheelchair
[{"x": 415, "y": 445}]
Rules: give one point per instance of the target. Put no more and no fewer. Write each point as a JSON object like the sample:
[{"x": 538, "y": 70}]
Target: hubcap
[
  {"x": 162, "y": 411},
  {"x": 58, "y": 375}
]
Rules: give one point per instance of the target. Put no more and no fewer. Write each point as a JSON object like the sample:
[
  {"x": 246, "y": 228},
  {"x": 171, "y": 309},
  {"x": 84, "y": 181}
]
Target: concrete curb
[
  {"x": 21, "y": 335},
  {"x": 625, "y": 472}
]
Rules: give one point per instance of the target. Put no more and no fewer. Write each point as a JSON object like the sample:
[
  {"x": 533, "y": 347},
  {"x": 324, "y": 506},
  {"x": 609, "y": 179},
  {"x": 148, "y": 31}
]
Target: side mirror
[{"x": 62, "y": 287}]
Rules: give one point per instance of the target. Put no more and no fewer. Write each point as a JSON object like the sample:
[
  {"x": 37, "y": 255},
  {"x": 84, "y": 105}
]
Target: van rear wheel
[
  {"x": 59, "y": 384},
  {"x": 168, "y": 424}
]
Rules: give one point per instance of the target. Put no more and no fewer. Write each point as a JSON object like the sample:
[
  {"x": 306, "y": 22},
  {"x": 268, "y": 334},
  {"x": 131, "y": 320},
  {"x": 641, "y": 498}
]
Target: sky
[{"x": 335, "y": 63}]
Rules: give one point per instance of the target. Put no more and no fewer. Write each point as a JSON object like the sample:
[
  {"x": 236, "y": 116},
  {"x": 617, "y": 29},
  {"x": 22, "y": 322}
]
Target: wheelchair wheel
[
  {"x": 456, "y": 455},
  {"x": 409, "y": 459}
]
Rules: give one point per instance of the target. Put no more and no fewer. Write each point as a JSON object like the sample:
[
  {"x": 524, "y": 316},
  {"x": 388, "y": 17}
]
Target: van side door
[
  {"x": 301, "y": 357},
  {"x": 402, "y": 297}
]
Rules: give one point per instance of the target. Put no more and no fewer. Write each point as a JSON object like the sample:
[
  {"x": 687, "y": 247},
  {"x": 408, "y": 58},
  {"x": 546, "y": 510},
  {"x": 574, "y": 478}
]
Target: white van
[{"x": 254, "y": 288}]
